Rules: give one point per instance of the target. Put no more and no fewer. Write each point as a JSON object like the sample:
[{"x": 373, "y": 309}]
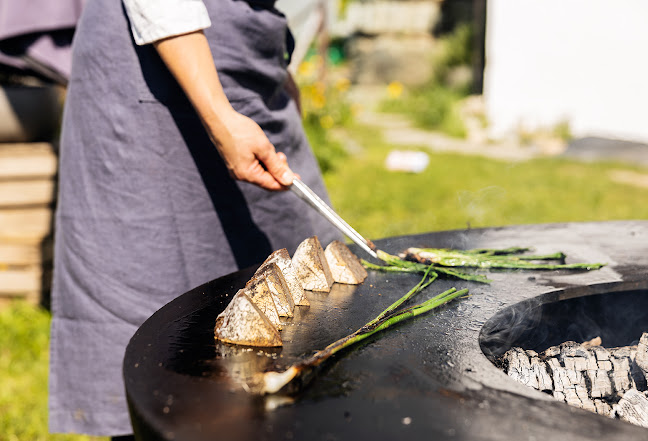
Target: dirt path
[{"x": 399, "y": 131}]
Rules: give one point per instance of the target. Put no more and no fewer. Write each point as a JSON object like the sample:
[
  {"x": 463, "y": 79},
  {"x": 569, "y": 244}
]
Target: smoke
[
  {"x": 508, "y": 327},
  {"x": 476, "y": 204},
  {"x": 619, "y": 318}
]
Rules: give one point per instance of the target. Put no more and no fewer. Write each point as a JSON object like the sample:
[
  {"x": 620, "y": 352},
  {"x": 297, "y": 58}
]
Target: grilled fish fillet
[
  {"x": 311, "y": 266},
  {"x": 259, "y": 292},
  {"x": 282, "y": 259},
  {"x": 243, "y": 323},
  {"x": 278, "y": 288},
  {"x": 345, "y": 266}
]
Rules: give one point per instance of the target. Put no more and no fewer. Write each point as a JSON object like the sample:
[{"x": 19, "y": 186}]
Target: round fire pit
[
  {"x": 618, "y": 318},
  {"x": 425, "y": 379}
]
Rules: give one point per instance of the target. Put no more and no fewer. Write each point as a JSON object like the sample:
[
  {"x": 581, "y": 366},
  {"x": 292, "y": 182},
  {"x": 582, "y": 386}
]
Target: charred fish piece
[
  {"x": 311, "y": 266},
  {"x": 243, "y": 323},
  {"x": 259, "y": 292},
  {"x": 345, "y": 266},
  {"x": 282, "y": 259},
  {"x": 278, "y": 288}
]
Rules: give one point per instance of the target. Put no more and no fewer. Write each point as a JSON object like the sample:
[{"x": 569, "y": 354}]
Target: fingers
[
  {"x": 258, "y": 175},
  {"x": 249, "y": 154},
  {"x": 267, "y": 169},
  {"x": 277, "y": 166}
]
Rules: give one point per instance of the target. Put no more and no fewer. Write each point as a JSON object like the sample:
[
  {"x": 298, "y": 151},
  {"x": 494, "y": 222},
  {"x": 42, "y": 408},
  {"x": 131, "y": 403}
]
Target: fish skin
[
  {"x": 311, "y": 266},
  {"x": 243, "y": 323}
]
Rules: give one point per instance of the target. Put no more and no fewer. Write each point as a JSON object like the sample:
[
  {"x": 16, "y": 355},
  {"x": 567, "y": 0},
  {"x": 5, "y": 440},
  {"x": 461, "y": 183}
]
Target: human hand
[
  {"x": 248, "y": 153},
  {"x": 246, "y": 150}
]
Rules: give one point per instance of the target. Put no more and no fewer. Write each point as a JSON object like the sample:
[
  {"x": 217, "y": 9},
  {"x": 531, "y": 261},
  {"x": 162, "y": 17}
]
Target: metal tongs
[{"x": 304, "y": 192}]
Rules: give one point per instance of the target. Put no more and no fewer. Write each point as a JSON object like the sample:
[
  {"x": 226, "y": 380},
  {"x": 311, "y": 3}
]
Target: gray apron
[{"x": 146, "y": 208}]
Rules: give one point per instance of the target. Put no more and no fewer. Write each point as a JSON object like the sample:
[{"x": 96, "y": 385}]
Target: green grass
[
  {"x": 458, "y": 191},
  {"x": 24, "y": 340},
  {"x": 432, "y": 107}
]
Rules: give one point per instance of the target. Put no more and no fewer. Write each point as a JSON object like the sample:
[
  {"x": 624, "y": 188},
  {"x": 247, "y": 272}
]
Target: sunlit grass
[
  {"x": 458, "y": 191},
  {"x": 24, "y": 358}
]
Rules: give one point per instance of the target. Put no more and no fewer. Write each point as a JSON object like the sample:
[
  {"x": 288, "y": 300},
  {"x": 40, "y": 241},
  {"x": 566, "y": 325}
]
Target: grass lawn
[
  {"x": 24, "y": 339},
  {"x": 458, "y": 191},
  {"x": 454, "y": 192}
]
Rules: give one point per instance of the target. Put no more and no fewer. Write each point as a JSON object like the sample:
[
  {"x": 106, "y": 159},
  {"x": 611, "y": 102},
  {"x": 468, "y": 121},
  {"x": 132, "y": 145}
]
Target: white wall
[
  {"x": 305, "y": 18},
  {"x": 581, "y": 61}
]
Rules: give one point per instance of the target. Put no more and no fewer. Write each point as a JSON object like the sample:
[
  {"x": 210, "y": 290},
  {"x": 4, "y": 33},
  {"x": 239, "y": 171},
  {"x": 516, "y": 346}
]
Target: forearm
[
  {"x": 244, "y": 147},
  {"x": 189, "y": 59}
]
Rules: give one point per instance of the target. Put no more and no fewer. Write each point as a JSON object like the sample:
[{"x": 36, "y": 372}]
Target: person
[{"x": 176, "y": 142}]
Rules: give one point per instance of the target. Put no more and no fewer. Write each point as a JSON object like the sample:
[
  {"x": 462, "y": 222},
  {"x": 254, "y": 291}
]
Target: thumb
[{"x": 277, "y": 165}]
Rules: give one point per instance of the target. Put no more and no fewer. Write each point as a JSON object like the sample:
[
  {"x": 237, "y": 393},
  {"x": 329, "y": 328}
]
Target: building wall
[{"x": 580, "y": 61}]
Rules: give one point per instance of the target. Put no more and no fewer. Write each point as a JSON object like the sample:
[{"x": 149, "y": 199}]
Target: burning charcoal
[
  {"x": 633, "y": 408},
  {"x": 603, "y": 408},
  {"x": 624, "y": 352},
  {"x": 601, "y": 386},
  {"x": 588, "y": 376},
  {"x": 559, "y": 396},
  {"x": 519, "y": 367},
  {"x": 527, "y": 368},
  {"x": 585, "y": 401},
  {"x": 602, "y": 358},
  {"x": 621, "y": 379},
  {"x": 559, "y": 375},
  {"x": 575, "y": 357},
  {"x": 540, "y": 371},
  {"x": 551, "y": 352},
  {"x": 641, "y": 359},
  {"x": 576, "y": 395}
]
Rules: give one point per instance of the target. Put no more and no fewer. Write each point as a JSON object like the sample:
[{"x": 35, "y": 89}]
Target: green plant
[
  {"x": 459, "y": 191},
  {"x": 436, "y": 104},
  {"x": 325, "y": 107},
  {"x": 24, "y": 358},
  {"x": 431, "y": 107}
]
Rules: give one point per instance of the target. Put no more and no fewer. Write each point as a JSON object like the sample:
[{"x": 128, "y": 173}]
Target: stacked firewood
[
  {"x": 27, "y": 197},
  {"x": 608, "y": 381}
]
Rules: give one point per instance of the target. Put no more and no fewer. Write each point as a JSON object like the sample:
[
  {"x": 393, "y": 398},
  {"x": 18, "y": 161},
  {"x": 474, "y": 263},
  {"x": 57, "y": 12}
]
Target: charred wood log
[
  {"x": 587, "y": 375},
  {"x": 641, "y": 359},
  {"x": 633, "y": 408}
]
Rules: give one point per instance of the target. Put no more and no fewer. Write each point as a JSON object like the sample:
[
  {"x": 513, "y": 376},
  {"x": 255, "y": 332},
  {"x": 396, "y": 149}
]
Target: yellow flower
[
  {"x": 342, "y": 84},
  {"x": 318, "y": 100},
  {"x": 326, "y": 121},
  {"x": 306, "y": 69},
  {"x": 394, "y": 89},
  {"x": 320, "y": 87}
]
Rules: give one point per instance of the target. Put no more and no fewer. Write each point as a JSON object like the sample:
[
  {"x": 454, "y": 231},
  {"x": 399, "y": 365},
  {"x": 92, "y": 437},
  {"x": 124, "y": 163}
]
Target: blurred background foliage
[
  {"x": 435, "y": 104},
  {"x": 325, "y": 104}
]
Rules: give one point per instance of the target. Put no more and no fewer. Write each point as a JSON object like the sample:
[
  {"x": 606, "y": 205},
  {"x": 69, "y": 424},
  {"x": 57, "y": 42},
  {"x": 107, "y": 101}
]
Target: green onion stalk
[
  {"x": 273, "y": 382},
  {"x": 443, "y": 261}
]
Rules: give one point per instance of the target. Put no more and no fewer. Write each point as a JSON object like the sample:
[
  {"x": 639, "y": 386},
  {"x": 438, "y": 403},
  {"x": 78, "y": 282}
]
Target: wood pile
[
  {"x": 607, "y": 381},
  {"x": 27, "y": 198}
]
